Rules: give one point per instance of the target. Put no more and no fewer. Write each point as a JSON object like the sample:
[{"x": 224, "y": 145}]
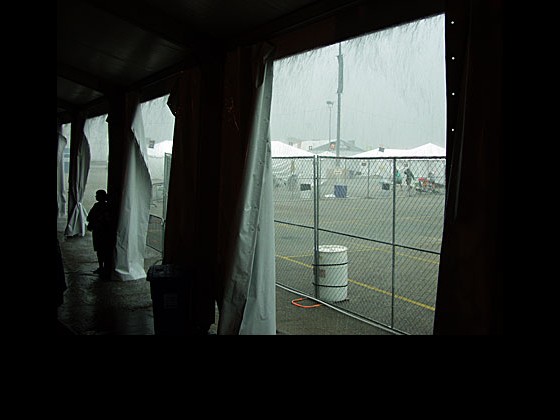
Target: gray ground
[{"x": 365, "y": 213}]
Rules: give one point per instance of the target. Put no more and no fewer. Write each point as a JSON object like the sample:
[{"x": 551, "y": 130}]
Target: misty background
[{"x": 393, "y": 90}]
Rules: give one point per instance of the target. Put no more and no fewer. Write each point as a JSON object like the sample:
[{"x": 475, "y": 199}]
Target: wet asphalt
[{"x": 96, "y": 306}]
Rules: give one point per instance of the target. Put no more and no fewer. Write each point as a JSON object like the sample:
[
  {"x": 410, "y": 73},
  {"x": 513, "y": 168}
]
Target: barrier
[{"x": 332, "y": 278}]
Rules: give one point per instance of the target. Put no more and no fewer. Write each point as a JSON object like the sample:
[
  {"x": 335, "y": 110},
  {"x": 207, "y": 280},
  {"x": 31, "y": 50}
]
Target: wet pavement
[{"x": 97, "y": 306}]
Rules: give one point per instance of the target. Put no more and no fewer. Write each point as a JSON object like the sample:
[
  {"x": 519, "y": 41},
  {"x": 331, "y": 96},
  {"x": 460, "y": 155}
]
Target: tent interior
[{"x": 212, "y": 62}]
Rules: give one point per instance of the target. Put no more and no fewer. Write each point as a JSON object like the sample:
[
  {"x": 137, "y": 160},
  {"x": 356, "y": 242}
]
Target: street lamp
[{"x": 330, "y": 104}]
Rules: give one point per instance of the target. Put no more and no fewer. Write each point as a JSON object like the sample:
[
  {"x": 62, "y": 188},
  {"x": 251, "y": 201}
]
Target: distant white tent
[
  {"x": 388, "y": 153},
  {"x": 428, "y": 149},
  {"x": 278, "y": 149},
  {"x": 156, "y": 163},
  {"x": 161, "y": 148},
  {"x": 284, "y": 168},
  {"x": 283, "y": 150}
]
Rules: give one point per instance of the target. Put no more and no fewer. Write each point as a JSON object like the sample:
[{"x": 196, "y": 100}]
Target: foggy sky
[{"x": 393, "y": 89}]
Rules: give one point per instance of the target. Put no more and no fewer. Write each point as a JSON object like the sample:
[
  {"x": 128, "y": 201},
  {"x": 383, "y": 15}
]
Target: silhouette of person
[
  {"x": 398, "y": 178},
  {"x": 99, "y": 223},
  {"x": 409, "y": 177}
]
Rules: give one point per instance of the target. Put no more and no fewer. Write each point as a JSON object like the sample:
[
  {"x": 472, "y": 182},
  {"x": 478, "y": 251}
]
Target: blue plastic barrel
[{"x": 340, "y": 191}]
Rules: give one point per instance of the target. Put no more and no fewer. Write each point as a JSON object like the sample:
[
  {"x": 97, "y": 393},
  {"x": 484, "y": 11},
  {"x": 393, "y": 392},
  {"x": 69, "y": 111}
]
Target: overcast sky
[{"x": 393, "y": 89}]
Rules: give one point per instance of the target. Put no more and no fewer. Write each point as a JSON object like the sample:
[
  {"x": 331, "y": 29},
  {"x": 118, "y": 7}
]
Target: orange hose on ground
[{"x": 304, "y": 306}]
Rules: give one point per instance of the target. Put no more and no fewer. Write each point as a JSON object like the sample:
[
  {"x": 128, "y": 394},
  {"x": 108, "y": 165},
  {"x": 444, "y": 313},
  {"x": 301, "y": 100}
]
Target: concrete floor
[{"x": 93, "y": 306}]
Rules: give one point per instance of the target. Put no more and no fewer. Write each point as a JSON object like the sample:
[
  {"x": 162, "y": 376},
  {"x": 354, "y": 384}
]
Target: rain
[{"x": 393, "y": 90}]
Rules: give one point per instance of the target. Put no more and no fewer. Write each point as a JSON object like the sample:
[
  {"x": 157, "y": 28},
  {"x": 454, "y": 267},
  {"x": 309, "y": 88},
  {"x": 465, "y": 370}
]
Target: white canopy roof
[
  {"x": 161, "y": 148},
  {"x": 385, "y": 153},
  {"x": 428, "y": 149},
  {"x": 279, "y": 149}
]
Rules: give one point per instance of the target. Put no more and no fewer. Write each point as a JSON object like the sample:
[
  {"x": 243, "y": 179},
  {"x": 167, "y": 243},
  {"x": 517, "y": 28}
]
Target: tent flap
[{"x": 249, "y": 302}]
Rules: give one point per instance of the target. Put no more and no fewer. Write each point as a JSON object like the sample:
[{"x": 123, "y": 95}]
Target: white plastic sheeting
[
  {"x": 96, "y": 131},
  {"x": 77, "y": 214},
  {"x": 159, "y": 123},
  {"x": 60, "y": 181},
  {"x": 135, "y": 207},
  {"x": 249, "y": 302}
]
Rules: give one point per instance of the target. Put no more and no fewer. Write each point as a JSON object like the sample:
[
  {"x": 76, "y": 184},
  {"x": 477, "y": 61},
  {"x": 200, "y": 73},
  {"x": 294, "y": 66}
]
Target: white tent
[
  {"x": 284, "y": 150},
  {"x": 284, "y": 168},
  {"x": 278, "y": 149},
  {"x": 161, "y": 148},
  {"x": 156, "y": 159},
  {"x": 406, "y": 158},
  {"x": 388, "y": 153},
  {"x": 428, "y": 149}
]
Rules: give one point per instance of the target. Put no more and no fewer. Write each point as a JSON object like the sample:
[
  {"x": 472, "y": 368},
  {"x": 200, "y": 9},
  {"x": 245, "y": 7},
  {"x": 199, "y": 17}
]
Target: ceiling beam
[
  {"x": 152, "y": 20},
  {"x": 84, "y": 78},
  {"x": 313, "y": 12},
  {"x": 66, "y": 105}
]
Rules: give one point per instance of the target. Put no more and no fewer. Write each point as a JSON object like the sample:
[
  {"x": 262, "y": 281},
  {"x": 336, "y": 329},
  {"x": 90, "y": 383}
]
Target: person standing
[
  {"x": 99, "y": 224},
  {"x": 409, "y": 177},
  {"x": 398, "y": 178}
]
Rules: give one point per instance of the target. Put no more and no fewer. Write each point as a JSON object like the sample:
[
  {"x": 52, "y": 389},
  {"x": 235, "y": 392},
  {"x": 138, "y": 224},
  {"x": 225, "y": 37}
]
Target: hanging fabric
[
  {"x": 191, "y": 237},
  {"x": 248, "y": 304},
  {"x": 96, "y": 132},
  {"x": 60, "y": 184},
  {"x": 132, "y": 226},
  {"x": 79, "y": 169},
  {"x": 470, "y": 282}
]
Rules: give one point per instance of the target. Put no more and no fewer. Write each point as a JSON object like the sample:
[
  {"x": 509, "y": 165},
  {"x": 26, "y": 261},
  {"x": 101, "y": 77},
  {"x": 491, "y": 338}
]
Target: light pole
[
  {"x": 339, "y": 93},
  {"x": 330, "y": 104}
]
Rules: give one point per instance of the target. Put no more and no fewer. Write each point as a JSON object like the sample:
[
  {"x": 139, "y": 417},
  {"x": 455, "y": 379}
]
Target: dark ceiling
[{"x": 106, "y": 46}]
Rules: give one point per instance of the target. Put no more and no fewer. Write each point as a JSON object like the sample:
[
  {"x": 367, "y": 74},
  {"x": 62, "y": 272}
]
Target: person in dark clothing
[
  {"x": 409, "y": 177},
  {"x": 99, "y": 223}
]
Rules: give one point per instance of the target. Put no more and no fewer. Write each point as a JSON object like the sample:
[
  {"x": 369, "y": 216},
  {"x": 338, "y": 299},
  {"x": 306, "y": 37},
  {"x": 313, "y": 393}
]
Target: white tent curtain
[
  {"x": 60, "y": 182},
  {"x": 159, "y": 122},
  {"x": 249, "y": 302},
  {"x": 96, "y": 131},
  {"x": 77, "y": 214},
  {"x": 135, "y": 207}
]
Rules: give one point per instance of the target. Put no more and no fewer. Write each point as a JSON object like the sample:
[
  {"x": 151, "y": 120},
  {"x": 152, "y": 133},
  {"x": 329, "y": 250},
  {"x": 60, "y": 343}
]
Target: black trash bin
[{"x": 171, "y": 290}]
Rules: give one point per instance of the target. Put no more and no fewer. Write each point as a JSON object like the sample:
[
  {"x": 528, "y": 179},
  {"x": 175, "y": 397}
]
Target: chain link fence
[
  {"x": 363, "y": 235},
  {"x": 158, "y": 208}
]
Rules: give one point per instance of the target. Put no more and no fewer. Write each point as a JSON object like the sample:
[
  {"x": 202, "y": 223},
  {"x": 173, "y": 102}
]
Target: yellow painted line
[
  {"x": 388, "y": 251},
  {"x": 368, "y": 249},
  {"x": 294, "y": 261},
  {"x": 405, "y": 299},
  {"x": 367, "y": 286}
]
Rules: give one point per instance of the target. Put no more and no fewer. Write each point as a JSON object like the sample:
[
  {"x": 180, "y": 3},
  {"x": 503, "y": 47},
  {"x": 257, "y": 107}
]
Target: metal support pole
[
  {"x": 316, "y": 181},
  {"x": 368, "y": 175},
  {"x": 393, "y": 247},
  {"x": 339, "y": 93},
  {"x": 330, "y": 104}
]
